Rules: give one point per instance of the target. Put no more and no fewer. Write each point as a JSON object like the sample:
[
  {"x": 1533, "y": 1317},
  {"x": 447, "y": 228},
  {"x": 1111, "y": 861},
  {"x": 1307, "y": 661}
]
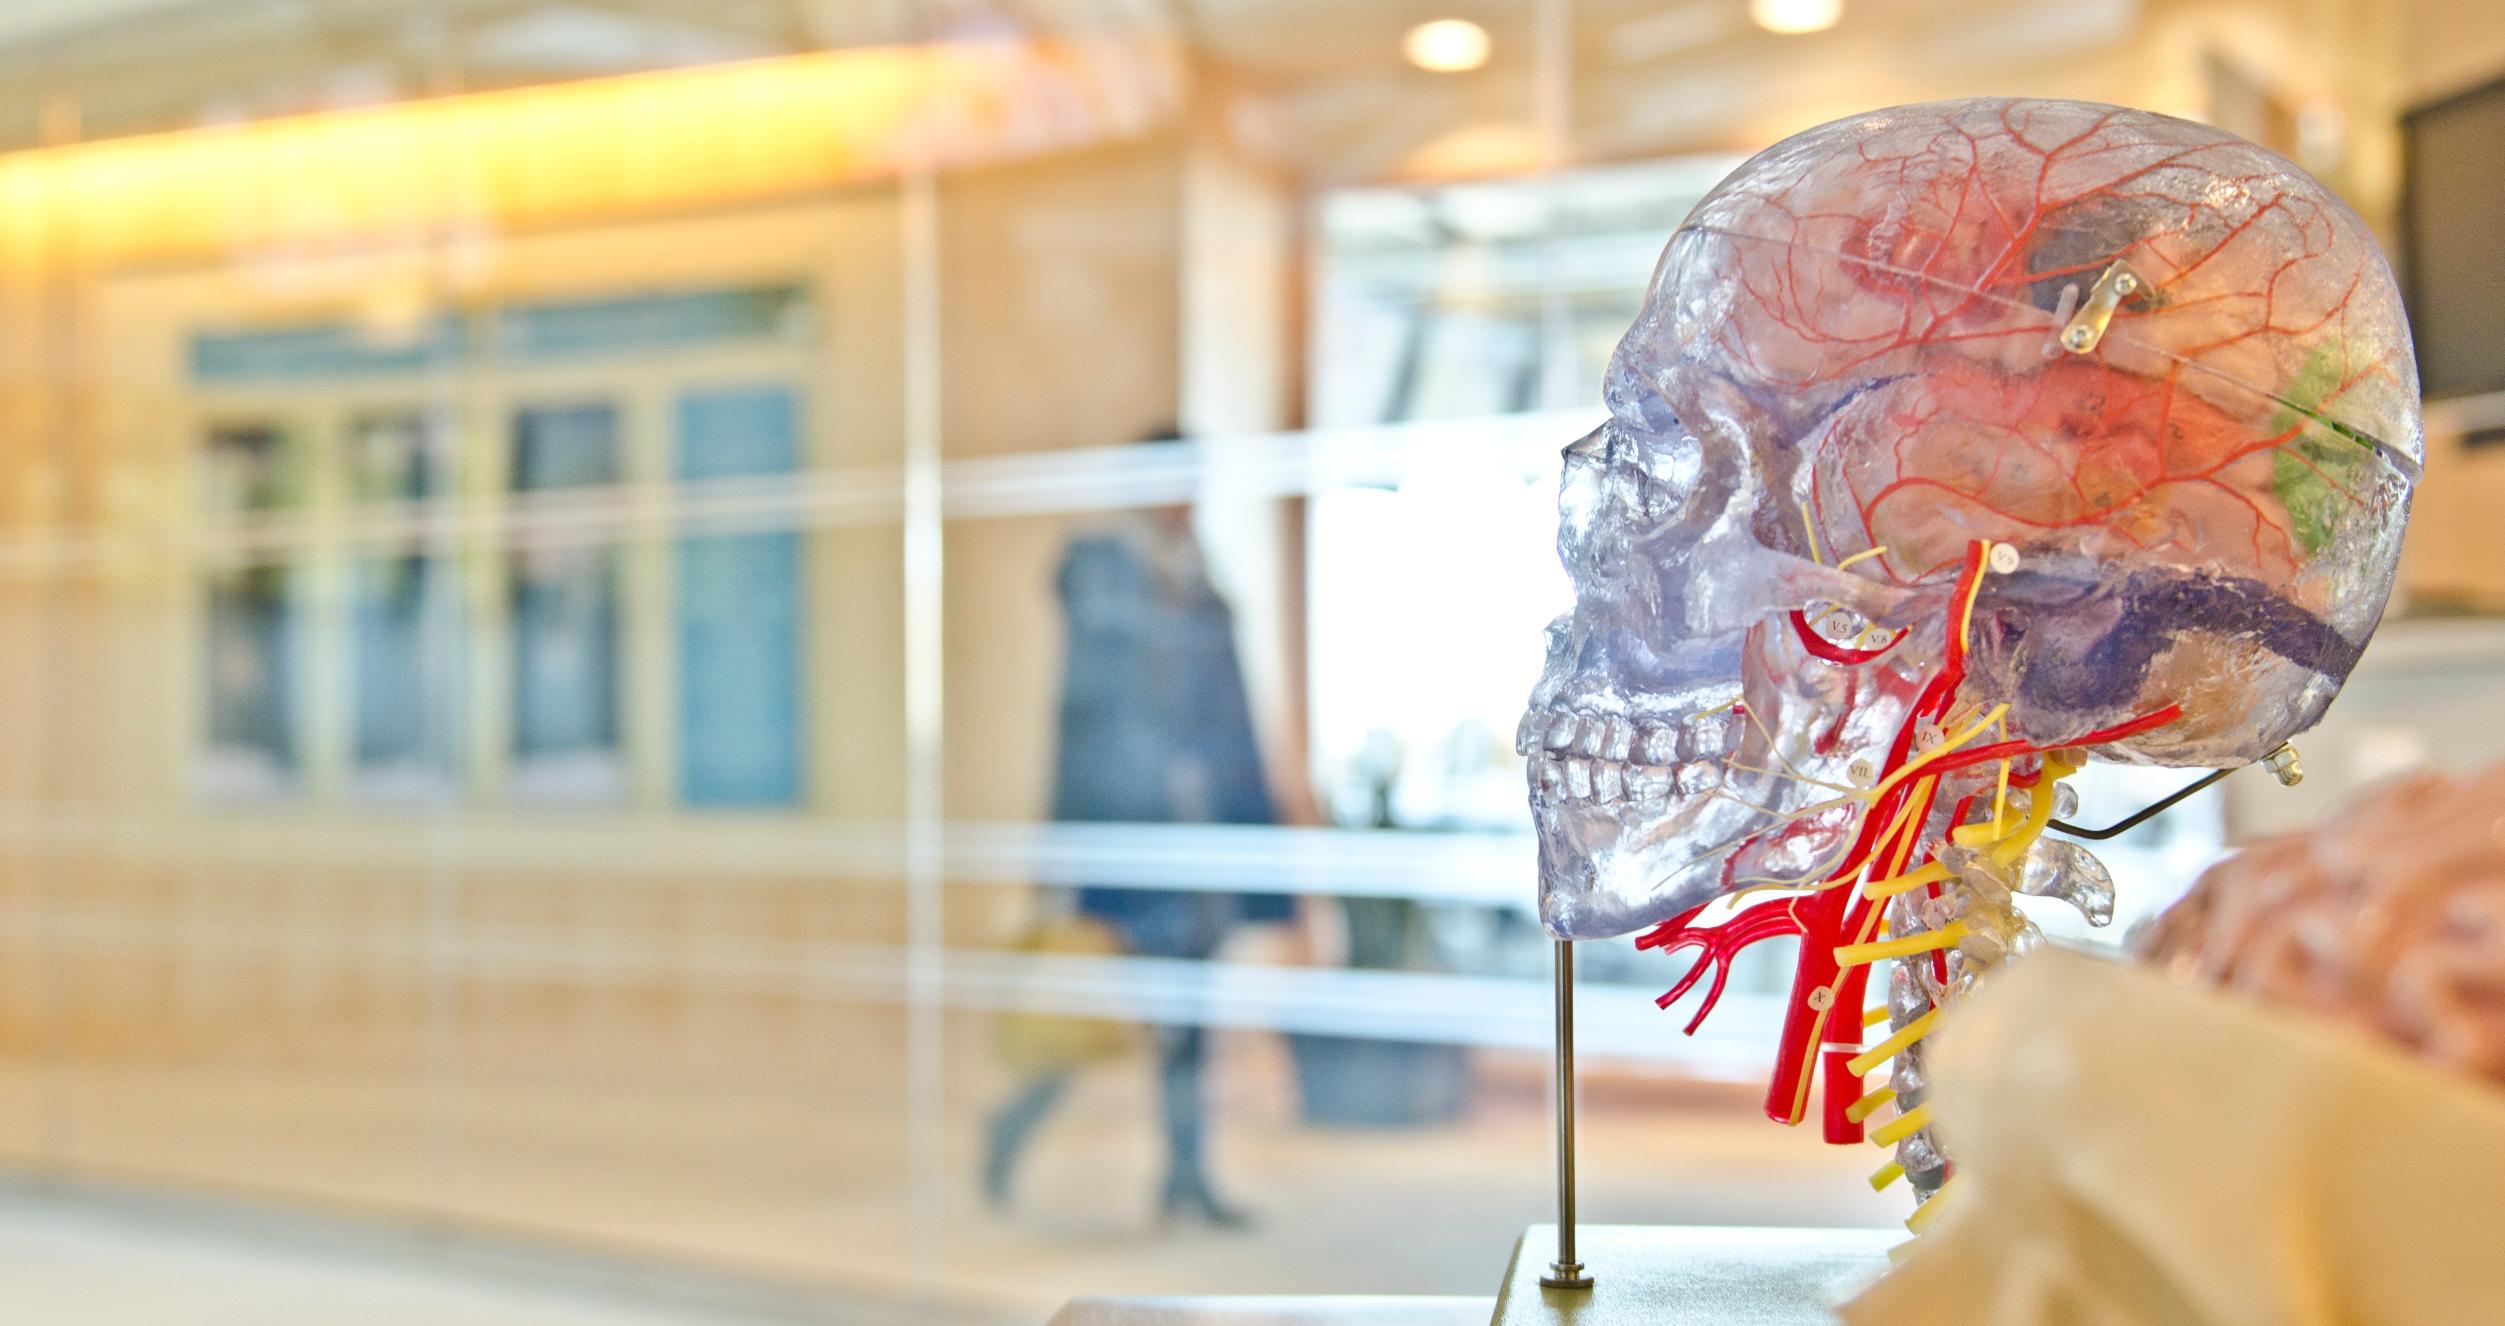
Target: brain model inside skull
[
  {"x": 1955, "y": 445},
  {"x": 2390, "y": 918}
]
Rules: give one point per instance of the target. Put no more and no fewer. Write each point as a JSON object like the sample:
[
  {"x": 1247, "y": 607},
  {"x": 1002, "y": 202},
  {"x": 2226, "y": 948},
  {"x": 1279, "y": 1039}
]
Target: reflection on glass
[
  {"x": 739, "y": 714},
  {"x": 401, "y": 615},
  {"x": 398, "y": 457},
  {"x": 1154, "y": 727},
  {"x": 1489, "y": 297},
  {"x": 1409, "y": 656},
  {"x": 564, "y": 446},
  {"x": 250, "y": 652},
  {"x": 566, "y": 724},
  {"x": 249, "y": 468},
  {"x": 249, "y": 632},
  {"x": 404, "y": 655}
]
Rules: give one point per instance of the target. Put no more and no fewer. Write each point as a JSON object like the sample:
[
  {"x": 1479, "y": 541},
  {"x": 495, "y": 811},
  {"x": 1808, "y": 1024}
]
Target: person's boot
[
  {"x": 1189, "y": 1198},
  {"x": 1000, "y": 1155},
  {"x": 1005, "y": 1138}
]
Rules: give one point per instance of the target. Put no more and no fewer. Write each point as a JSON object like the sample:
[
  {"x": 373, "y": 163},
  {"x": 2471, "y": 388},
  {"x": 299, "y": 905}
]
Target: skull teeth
[
  {"x": 1609, "y": 758},
  {"x": 1648, "y": 782},
  {"x": 1617, "y": 740},
  {"x": 1561, "y": 730},
  {"x": 1660, "y": 745},
  {"x": 1530, "y": 733},
  {"x": 1622, "y": 740},
  {"x": 1577, "y": 778},
  {"x": 1713, "y": 736}
]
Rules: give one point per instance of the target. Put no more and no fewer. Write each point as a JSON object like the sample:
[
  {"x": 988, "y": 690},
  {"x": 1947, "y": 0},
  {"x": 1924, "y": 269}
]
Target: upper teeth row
[
  {"x": 1575, "y": 778},
  {"x": 1616, "y": 737}
]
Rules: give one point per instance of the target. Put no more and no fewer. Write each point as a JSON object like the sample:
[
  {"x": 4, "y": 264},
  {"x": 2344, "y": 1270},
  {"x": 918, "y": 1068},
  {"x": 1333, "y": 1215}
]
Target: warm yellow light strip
[{"x": 599, "y": 148}]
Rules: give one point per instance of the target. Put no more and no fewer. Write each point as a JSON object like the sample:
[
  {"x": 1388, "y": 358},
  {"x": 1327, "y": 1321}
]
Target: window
[
  {"x": 613, "y": 641},
  {"x": 738, "y": 611},
  {"x": 1489, "y": 297},
  {"x": 564, "y": 601},
  {"x": 252, "y": 618},
  {"x": 403, "y": 628}
]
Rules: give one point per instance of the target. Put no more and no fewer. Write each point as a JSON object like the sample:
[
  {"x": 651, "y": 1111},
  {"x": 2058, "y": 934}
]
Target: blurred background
[{"x": 609, "y": 714}]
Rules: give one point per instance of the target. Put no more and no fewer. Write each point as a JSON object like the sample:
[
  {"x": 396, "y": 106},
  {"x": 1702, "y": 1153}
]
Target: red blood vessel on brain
[{"x": 1956, "y": 444}]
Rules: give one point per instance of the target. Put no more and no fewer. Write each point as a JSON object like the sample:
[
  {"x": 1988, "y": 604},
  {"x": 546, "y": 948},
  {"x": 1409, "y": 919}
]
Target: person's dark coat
[{"x": 1155, "y": 728}]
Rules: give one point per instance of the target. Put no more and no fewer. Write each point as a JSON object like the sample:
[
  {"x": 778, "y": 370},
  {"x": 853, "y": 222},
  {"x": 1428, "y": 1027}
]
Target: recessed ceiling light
[
  {"x": 1792, "y": 16},
  {"x": 1447, "y": 45}
]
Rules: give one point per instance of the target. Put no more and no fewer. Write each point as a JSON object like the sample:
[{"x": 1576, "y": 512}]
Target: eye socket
[
  {"x": 1660, "y": 476},
  {"x": 1651, "y": 497}
]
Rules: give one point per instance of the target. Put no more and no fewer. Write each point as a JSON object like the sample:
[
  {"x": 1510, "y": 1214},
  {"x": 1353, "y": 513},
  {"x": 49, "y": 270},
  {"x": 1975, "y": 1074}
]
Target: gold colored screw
[
  {"x": 2087, "y": 326},
  {"x": 2283, "y": 766}
]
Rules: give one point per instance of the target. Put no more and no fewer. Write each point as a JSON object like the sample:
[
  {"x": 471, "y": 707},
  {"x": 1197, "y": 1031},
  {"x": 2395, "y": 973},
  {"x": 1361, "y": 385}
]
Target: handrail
[{"x": 1616, "y": 1022}]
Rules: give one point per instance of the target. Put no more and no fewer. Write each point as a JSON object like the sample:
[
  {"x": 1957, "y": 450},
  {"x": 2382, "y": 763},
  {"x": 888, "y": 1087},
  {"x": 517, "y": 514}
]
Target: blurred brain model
[
  {"x": 2212, "y": 1149},
  {"x": 2391, "y": 918},
  {"x": 1956, "y": 444}
]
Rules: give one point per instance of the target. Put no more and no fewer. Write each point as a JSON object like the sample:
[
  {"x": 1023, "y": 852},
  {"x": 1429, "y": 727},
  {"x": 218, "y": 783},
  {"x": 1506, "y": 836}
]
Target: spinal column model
[{"x": 1956, "y": 445}]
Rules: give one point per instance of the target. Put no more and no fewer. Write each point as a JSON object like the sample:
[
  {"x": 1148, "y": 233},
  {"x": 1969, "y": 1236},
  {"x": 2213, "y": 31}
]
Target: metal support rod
[{"x": 1565, "y": 1272}]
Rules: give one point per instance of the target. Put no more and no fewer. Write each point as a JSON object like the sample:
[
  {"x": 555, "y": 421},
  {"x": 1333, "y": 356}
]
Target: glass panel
[
  {"x": 739, "y": 628},
  {"x": 448, "y": 549},
  {"x": 590, "y": 421},
  {"x": 251, "y": 644},
  {"x": 250, "y": 468},
  {"x": 565, "y": 620},
  {"x": 402, "y": 456},
  {"x": 1441, "y": 301},
  {"x": 648, "y": 322},
  {"x": 404, "y": 639},
  {"x": 565, "y": 446},
  {"x": 403, "y": 644},
  {"x": 1229, "y": 723},
  {"x": 736, "y": 432},
  {"x": 308, "y": 354},
  {"x": 249, "y": 663}
]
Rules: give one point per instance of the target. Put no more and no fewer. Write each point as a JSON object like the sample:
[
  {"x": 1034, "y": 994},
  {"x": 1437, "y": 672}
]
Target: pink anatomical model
[
  {"x": 1956, "y": 444},
  {"x": 2390, "y": 919}
]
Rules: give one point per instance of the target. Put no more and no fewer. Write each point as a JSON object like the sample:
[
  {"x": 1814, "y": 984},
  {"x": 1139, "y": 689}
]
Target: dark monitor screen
[{"x": 2453, "y": 239}]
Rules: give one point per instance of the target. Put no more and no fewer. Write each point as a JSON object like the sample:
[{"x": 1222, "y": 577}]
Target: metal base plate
[{"x": 1674, "y": 1275}]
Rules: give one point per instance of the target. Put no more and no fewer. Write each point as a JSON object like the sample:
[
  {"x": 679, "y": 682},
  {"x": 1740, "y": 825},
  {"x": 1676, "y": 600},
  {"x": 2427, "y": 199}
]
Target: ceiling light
[
  {"x": 1447, "y": 45},
  {"x": 1791, "y": 16}
]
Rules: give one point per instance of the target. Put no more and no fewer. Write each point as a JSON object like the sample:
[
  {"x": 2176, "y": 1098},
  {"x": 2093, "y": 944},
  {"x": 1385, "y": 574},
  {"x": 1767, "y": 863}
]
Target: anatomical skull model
[{"x": 1956, "y": 445}]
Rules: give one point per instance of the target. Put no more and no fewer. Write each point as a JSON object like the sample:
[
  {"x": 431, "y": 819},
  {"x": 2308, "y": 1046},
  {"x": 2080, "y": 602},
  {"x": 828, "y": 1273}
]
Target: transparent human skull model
[{"x": 1956, "y": 444}]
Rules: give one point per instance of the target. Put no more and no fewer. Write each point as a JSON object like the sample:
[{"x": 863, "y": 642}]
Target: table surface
[
  {"x": 1673, "y": 1275},
  {"x": 1644, "y": 1275},
  {"x": 1277, "y": 1310}
]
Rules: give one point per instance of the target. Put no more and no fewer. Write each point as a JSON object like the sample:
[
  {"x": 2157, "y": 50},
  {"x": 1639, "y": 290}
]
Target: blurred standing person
[{"x": 1154, "y": 728}]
